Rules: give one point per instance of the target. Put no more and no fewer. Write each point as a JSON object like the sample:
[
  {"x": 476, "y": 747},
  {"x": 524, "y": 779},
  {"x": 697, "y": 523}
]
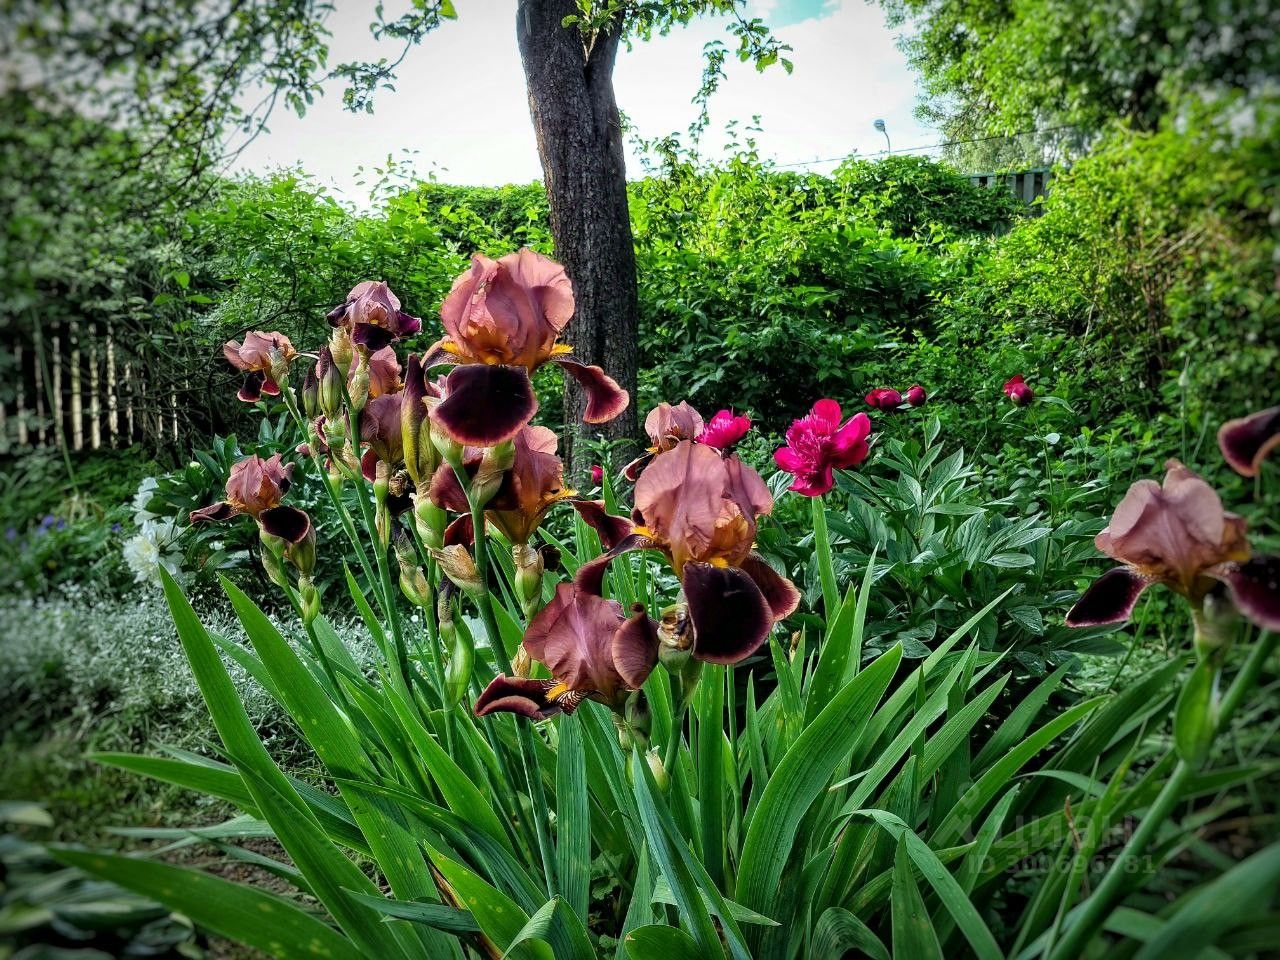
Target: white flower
[
  {"x": 140, "y": 500},
  {"x": 153, "y": 547}
]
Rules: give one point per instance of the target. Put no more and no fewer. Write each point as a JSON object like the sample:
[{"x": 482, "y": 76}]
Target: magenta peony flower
[
  {"x": 915, "y": 395},
  {"x": 882, "y": 398},
  {"x": 817, "y": 445},
  {"x": 597, "y": 474},
  {"x": 1016, "y": 389},
  {"x": 724, "y": 430}
]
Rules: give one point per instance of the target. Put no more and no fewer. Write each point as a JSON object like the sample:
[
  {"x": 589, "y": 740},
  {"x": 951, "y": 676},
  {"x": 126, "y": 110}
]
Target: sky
[{"x": 460, "y": 111}]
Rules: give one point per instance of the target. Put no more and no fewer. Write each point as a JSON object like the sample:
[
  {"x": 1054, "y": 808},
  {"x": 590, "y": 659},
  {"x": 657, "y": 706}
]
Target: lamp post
[{"x": 879, "y": 125}]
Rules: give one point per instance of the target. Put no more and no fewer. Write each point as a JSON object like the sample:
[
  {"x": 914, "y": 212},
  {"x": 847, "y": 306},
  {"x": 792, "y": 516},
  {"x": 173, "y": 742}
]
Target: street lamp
[{"x": 879, "y": 125}]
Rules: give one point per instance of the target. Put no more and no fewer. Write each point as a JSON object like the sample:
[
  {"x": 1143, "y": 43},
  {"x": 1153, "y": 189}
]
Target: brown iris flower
[
  {"x": 503, "y": 319},
  {"x": 263, "y": 357},
  {"x": 1246, "y": 442},
  {"x": 530, "y": 487},
  {"x": 372, "y": 316},
  {"x": 592, "y": 650},
  {"x": 255, "y": 488},
  {"x": 1178, "y": 534},
  {"x": 666, "y": 426},
  {"x": 381, "y": 431},
  {"x": 701, "y": 510}
]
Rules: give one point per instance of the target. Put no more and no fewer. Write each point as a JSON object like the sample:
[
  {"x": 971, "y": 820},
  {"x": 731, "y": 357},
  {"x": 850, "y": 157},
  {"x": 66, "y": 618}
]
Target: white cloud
[{"x": 460, "y": 102}]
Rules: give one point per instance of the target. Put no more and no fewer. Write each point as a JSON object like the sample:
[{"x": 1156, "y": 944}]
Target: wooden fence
[
  {"x": 78, "y": 385},
  {"x": 1026, "y": 185}
]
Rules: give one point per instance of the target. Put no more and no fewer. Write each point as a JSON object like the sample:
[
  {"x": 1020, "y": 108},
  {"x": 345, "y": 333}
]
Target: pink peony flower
[
  {"x": 724, "y": 430},
  {"x": 597, "y": 474},
  {"x": 882, "y": 398},
  {"x": 916, "y": 395},
  {"x": 817, "y": 445},
  {"x": 1016, "y": 389}
]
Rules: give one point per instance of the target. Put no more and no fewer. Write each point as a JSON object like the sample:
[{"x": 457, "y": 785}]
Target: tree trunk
[{"x": 575, "y": 117}]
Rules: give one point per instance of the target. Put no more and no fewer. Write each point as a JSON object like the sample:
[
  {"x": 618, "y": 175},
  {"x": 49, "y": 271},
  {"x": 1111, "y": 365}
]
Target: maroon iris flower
[
  {"x": 1178, "y": 534},
  {"x": 915, "y": 395},
  {"x": 384, "y": 373},
  {"x": 1246, "y": 442},
  {"x": 883, "y": 398},
  {"x": 255, "y": 488},
  {"x": 701, "y": 510},
  {"x": 529, "y": 488},
  {"x": 381, "y": 430},
  {"x": 724, "y": 430},
  {"x": 592, "y": 649},
  {"x": 503, "y": 319},
  {"x": 260, "y": 357},
  {"x": 818, "y": 445},
  {"x": 372, "y": 315},
  {"x": 1016, "y": 389}
]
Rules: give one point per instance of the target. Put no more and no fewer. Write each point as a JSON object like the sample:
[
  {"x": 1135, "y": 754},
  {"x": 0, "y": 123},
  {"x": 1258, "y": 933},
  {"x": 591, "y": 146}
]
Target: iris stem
[
  {"x": 528, "y": 758},
  {"x": 1094, "y": 911}
]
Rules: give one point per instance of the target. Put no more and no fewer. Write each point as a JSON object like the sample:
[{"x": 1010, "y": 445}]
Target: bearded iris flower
[
  {"x": 592, "y": 650},
  {"x": 818, "y": 445},
  {"x": 384, "y": 373},
  {"x": 666, "y": 426},
  {"x": 380, "y": 429},
  {"x": 255, "y": 488},
  {"x": 372, "y": 317},
  {"x": 502, "y": 320},
  {"x": 1178, "y": 534},
  {"x": 701, "y": 510},
  {"x": 1246, "y": 442},
  {"x": 264, "y": 358}
]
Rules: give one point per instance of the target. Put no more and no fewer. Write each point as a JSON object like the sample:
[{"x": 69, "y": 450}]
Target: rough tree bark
[{"x": 575, "y": 117}]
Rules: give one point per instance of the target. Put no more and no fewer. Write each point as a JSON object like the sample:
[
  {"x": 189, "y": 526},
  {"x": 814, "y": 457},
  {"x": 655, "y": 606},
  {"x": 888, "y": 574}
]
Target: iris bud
[
  {"x": 342, "y": 348},
  {"x": 311, "y": 394},
  {"x": 330, "y": 388}
]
